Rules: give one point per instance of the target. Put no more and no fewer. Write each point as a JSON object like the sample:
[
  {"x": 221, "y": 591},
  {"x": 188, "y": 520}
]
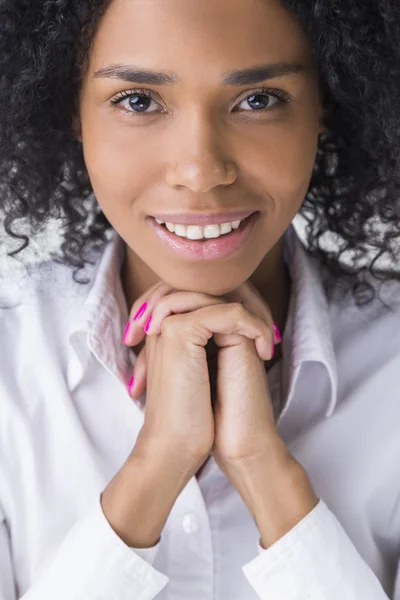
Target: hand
[
  {"x": 243, "y": 412},
  {"x": 247, "y": 446},
  {"x": 178, "y": 428},
  {"x": 244, "y": 421}
]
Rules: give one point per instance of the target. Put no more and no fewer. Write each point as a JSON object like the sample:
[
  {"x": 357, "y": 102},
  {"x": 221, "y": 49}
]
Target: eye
[
  {"x": 134, "y": 101},
  {"x": 265, "y": 99}
]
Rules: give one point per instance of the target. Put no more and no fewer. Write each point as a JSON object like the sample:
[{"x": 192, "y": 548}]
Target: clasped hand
[{"x": 241, "y": 326}]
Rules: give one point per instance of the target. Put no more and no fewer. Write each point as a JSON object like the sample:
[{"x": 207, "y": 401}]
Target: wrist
[
  {"x": 271, "y": 455},
  {"x": 161, "y": 457},
  {"x": 276, "y": 490},
  {"x": 292, "y": 498},
  {"x": 138, "y": 501}
]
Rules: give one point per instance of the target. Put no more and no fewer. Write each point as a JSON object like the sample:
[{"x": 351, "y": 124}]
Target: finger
[
  {"x": 248, "y": 294},
  {"x": 141, "y": 309},
  {"x": 139, "y": 374},
  {"x": 200, "y": 325},
  {"x": 183, "y": 302},
  {"x": 264, "y": 341},
  {"x": 174, "y": 303},
  {"x": 178, "y": 303}
]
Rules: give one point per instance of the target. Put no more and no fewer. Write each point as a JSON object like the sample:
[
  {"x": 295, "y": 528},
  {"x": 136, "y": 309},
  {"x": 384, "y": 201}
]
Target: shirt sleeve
[
  {"x": 91, "y": 563},
  {"x": 148, "y": 554},
  {"x": 316, "y": 560}
]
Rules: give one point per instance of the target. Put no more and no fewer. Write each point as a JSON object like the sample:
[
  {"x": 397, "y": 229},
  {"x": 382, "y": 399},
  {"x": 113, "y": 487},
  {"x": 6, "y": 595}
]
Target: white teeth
[{"x": 196, "y": 232}]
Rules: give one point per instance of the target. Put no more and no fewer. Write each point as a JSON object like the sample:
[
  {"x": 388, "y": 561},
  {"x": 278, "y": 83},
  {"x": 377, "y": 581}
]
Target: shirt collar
[
  {"x": 97, "y": 332},
  {"x": 307, "y": 339}
]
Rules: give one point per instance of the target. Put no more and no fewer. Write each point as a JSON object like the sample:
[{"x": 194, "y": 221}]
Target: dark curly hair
[{"x": 354, "y": 190}]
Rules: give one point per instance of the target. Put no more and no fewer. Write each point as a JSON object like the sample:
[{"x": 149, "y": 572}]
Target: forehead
[{"x": 197, "y": 37}]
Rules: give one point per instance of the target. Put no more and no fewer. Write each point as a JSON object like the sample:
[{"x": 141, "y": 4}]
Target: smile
[{"x": 211, "y": 242}]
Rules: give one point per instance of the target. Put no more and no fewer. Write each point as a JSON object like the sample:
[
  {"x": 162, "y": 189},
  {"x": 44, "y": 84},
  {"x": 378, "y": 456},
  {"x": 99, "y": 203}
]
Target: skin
[{"x": 201, "y": 146}]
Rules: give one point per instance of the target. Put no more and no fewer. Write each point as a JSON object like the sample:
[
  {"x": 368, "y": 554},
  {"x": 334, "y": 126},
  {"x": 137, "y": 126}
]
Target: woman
[{"x": 200, "y": 413}]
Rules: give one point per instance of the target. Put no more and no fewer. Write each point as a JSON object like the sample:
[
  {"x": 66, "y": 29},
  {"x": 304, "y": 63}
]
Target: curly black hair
[{"x": 354, "y": 190}]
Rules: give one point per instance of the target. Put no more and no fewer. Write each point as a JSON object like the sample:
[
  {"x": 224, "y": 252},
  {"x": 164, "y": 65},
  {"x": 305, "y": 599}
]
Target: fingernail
[
  {"x": 147, "y": 326},
  {"x": 130, "y": 386},
  {"x": 127, "y": 330},
  {"x": 277, "y": 333},
  {"x": 140, "y": 312}
]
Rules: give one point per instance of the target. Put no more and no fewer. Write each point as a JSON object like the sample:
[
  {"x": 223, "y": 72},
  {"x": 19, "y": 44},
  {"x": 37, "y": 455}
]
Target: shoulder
[
  {"x": 38, "y": 307},
  {"x": 44, "y": 281},
  {"x": 367, "y": 348},
  {"x": 376, "y": 317},
  {"x": 37, "y": 295},
  {"x": 372, "y": 329}
]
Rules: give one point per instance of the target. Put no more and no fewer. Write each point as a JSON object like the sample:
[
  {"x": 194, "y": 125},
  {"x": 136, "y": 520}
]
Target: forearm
[
  {"x": 139, "y": 499},
  {"x": 290, "y": 498},
  {"x": 308, "y": 555},
  {"x": 276, "y": 490}
]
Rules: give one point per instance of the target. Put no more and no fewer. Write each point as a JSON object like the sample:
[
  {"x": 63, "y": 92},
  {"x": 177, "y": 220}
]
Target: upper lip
[{"x": 203, "y": 219}]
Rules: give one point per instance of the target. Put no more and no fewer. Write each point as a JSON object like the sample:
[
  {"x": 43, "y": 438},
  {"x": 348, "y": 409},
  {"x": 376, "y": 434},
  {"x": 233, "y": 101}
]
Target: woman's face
[{"x": 199, "y": 144}]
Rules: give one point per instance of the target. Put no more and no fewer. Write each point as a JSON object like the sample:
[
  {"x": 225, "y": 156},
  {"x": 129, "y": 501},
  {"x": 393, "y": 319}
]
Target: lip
[
  {"x": 203, "y": 219},
  {"x": 215, "y": 248}
]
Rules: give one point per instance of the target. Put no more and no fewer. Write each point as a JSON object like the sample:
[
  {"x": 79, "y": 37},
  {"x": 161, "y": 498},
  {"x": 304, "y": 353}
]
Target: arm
[
  {"x": 316, "y": 560},
  {"x": 93, "y": 560},
  {"x": 304, "y": 552}
]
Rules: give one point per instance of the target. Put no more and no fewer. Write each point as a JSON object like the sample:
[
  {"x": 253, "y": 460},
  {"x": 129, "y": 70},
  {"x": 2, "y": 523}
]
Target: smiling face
[{"x": 202, "y": 141}]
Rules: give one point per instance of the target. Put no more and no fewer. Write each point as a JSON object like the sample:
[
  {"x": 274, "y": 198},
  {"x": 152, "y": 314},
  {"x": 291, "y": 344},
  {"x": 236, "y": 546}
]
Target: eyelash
[{"x": 280, "y": 95}]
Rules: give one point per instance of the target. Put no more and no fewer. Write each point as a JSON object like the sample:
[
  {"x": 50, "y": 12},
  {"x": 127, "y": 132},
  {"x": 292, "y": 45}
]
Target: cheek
[
  {"x": 279, "y": 167},
  {"x": 121, "y": 166},
  {"x": 276, "y": 161}
]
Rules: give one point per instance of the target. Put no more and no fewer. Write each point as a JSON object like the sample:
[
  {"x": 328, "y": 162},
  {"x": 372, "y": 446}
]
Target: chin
[{"x": 218, "y": 289}]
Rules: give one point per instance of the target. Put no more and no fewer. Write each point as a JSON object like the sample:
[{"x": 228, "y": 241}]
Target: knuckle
[
  {"x": 237, "y": 311},
  {"x": 162, "y": 309},
  {"x": 181, "y": 329},
  {"x": 171, "y": 327},
  {"x": 162, "y": 305}
]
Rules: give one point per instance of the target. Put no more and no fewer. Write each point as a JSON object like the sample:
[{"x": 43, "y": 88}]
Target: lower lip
[{"x": 211, "y": 249}]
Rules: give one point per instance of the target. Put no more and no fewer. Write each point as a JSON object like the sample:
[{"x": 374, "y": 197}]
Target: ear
[{"x": 76, "y": 128}]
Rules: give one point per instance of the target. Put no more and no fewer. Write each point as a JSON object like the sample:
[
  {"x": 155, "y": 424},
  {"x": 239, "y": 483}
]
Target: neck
[{"x": 271, "y": 279}]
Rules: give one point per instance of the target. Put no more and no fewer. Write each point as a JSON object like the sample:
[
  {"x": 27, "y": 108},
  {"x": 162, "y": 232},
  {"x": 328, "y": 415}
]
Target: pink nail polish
[
  {"x": 140, "y": 312},
  {"x": 131, "y": 383},
  {"x": 127, "y": 330},
  {"x": 147, "y": 326},
  {"x": 277, "y": 333}
]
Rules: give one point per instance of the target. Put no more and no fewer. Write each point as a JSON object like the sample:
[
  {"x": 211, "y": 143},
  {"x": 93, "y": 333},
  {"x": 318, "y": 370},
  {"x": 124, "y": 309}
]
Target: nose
[{"x": 198, "y": 159}]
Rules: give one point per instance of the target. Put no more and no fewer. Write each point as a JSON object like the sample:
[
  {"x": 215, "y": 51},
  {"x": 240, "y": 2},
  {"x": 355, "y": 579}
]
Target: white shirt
[{"x": 67, "y": 425}]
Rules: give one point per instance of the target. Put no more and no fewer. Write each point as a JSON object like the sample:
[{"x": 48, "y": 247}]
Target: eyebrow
[{"x": 250, "y": 76}]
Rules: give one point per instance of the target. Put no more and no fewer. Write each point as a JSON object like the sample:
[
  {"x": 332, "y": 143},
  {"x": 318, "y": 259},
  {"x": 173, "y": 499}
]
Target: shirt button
[{"x": 190, "y": 523}]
